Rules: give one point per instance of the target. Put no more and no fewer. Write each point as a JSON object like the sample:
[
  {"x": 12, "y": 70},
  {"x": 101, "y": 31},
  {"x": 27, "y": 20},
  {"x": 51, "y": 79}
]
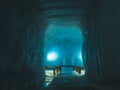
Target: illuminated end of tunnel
[{"x": 52, "y": 56}]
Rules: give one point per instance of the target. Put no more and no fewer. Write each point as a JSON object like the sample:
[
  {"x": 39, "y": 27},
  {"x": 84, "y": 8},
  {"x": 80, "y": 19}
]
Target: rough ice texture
[
  {"x": 107, "y": 26},
  {"x": 110, "y": 37},
  {"x": 21, "y": 45}
]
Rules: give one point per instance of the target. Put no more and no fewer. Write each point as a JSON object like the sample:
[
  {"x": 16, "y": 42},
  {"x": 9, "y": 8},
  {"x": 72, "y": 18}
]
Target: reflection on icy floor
[
  {"x": 83, "y": 72},
  {"x": 48, "y": 80},
  {"x": 50, "y": 75}
]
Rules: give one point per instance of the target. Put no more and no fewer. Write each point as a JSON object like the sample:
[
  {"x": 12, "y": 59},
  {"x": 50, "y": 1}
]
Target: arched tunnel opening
[
  {"x": 63, "y": 51},
  {"x": 66, "y": 33},
  {"x": 67, "y": 44}
]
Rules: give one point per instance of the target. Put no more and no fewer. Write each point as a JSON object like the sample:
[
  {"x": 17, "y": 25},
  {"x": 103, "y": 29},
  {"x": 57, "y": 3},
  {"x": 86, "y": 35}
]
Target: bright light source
[
  {"x": 80, "y": 56},
  {"x": 49, "y": 73},
  {"x": 52, "y": 56}
]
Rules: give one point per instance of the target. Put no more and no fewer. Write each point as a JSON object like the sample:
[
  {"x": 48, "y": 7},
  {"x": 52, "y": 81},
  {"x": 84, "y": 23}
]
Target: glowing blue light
[
  {"x": 52, "y": 56},
  {"x": 80, "y": 56}
]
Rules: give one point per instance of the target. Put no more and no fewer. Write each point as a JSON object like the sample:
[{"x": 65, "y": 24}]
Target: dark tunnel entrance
[
  {"x": 67, "y": 44},
  {"x": 23, "y": 38}
]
